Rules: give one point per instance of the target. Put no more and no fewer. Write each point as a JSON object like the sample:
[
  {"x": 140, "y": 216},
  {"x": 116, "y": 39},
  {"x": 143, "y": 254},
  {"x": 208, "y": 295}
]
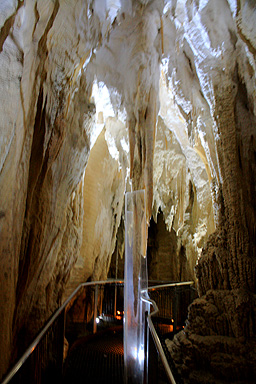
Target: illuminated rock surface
[{"x": 181, "y": 82}]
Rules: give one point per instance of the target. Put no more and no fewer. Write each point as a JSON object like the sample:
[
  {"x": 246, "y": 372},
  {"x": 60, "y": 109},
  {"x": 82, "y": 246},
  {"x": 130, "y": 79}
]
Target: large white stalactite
[
  {"x": 182, "y": 88},
  {"x": 128, "y": 61}
]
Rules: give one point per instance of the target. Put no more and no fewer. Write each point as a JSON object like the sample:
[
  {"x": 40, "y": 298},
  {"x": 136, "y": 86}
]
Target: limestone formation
[
  {"x": 181, "y": 191},
  {"x": 46, "y": 120},
  {"x": 103, "y": 191},
  {"x": 181, "y": 81},
  {"x": 212, "y": 53}
]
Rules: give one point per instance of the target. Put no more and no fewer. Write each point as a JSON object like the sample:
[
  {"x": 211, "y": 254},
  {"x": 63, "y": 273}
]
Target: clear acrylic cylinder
[{"x": 135, "y": 281}]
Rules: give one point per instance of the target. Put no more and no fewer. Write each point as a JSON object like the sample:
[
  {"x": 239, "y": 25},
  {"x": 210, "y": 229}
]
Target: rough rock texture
[
  {"x": 162, "y": 253},
  {"x": 218, "y": 344},
  {"x": 204, "y": 108},
  {"x": 181, "y": 189},
  {"x": 47, "y": 117},
  {"x": 45, "y": 130},
  {"x": 214, "y": 46}
]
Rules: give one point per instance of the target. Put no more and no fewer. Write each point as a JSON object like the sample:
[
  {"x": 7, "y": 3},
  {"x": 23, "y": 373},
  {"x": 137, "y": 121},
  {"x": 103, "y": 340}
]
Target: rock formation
[
  {"x": 103, "y": 191},
  {"x": 46, "y": 118},
  {"x": 214, "y": 45},
  {"x": 181, "y": 81}
]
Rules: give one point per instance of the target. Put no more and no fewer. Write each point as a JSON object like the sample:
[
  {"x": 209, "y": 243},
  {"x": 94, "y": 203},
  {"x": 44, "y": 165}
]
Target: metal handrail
[
  {"x": 75, "y": 293},
  {"x": 152, "y": 327},
  {"x": 182, "y": 283},
  {"x": 41, "y": 334},
  {"x": 156, "y": 339}
]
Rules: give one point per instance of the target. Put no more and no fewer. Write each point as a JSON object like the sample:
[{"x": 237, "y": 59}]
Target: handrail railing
[
  {"x": 178, "y": 284},
  {"x": 152, "y": 328},
  {"x": 60, "y": 314},
  {"x": 48, "y": 325},
  {"x": 156, "y": 339}
]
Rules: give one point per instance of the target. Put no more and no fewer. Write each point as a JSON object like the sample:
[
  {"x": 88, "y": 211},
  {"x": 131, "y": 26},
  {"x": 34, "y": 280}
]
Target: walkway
[{"x": 96, "y": 359}]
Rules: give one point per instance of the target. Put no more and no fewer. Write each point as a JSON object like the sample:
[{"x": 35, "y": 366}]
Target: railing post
[
  {"x": 115, "y": 300},
  {"x": 152, "y": 372},
  {"x": 175, "y": 311},
  {"x": 95, "y": 308},
  {"x": 62, "y": 337},
  {"x": 115, "y": 282},
  {"x": 146, "y": 330}
]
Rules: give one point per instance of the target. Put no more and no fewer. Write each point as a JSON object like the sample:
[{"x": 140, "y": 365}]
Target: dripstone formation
[{"x": 98, "y": 97}]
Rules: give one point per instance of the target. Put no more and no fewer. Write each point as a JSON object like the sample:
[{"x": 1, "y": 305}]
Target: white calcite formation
[
  {"x": 46, "y": 119},
  {"x": 181, "y": 85},
  {"x": 103, "y": 194},
  {"x": 211, "y": 68},
  {"x": 181, "y": 190}
]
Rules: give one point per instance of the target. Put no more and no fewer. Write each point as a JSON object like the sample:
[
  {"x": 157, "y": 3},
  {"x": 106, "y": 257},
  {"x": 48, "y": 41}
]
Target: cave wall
[
  {"x": 162, "y": 252},
  {"x": 181, "y": 184},
  {"x": 46, "y": 120},
  {"x": 195, "y": 128},
  {"x": 50, "y": 53},
  {"x": 213, "y": 47},
  {"x": 214, "y": 110}
]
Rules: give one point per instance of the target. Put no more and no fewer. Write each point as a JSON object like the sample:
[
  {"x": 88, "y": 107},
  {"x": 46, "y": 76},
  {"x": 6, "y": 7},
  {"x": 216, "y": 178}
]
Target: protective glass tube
[{"x": 135, "y": 281}]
